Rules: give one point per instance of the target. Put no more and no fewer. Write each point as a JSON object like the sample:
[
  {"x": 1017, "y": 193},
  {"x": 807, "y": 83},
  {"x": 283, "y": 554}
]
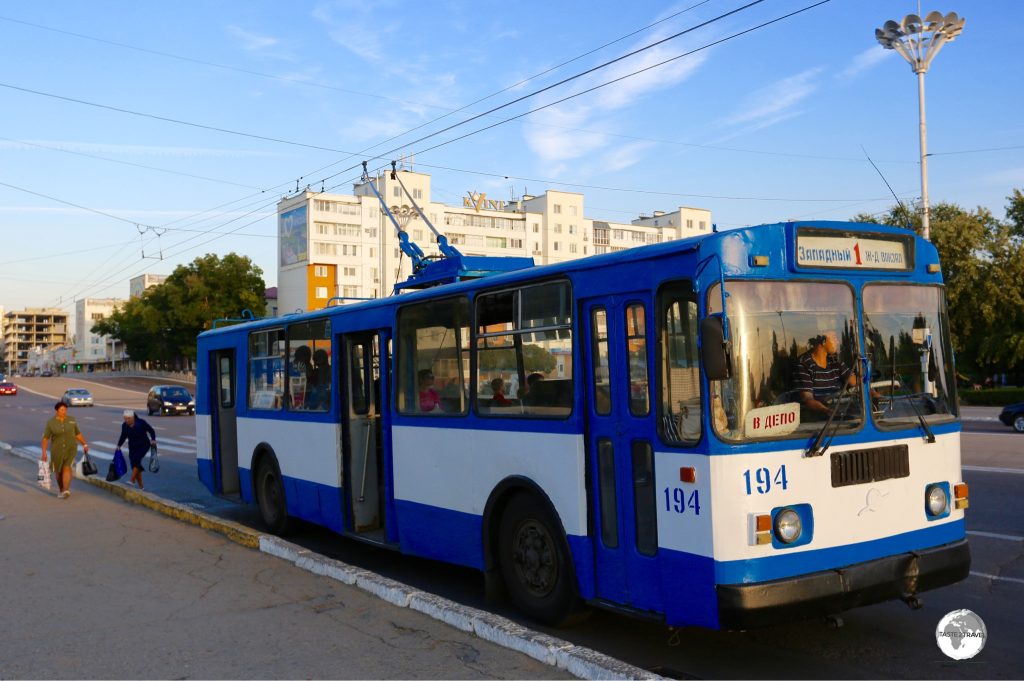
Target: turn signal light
[
  {"x": 960, "y": 490},
  {"x": 687, "y": 474},
  {"x": 763, "y": 529}
]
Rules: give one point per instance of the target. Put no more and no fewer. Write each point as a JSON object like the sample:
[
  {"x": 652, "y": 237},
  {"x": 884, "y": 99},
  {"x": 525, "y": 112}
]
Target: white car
[{"x": 77, "y": 397}]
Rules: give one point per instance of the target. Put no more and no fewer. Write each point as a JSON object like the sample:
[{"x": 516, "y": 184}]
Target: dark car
[
  {"x": 170, "y": 399},
  {"x": 1013, "y": 416},
  {"x": 7, "y": 388}
]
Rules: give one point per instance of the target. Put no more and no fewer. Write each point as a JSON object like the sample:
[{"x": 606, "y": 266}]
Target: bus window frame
[
  {"x": 398, "y": 359},
  {"x": 279, "y": 408},
  {"x": 667, "y": 292}
]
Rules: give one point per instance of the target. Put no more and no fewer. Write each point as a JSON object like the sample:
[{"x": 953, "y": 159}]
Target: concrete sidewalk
[{"x": 553, "y": 657}]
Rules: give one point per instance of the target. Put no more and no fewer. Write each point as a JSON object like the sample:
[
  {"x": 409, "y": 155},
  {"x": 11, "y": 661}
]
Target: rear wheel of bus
[
  {"x": 535, "y": 564},
  {"x": 270, "y": 497}
]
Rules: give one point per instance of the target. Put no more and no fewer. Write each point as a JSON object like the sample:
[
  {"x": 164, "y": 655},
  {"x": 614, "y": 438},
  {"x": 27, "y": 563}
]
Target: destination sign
[{"x": 852, "y": 252}]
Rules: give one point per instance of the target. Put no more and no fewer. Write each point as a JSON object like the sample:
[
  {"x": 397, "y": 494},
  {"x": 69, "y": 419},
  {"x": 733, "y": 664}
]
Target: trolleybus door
[
  {"x": 222, "y": 398},
  {"x": 619, "y": 448},
  {"x": 361, "y": 429}
]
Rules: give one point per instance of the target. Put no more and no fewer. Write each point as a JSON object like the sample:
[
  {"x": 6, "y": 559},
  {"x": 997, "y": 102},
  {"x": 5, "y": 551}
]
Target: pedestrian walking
[
  {"x": 60, "y": 436},
  {"x": 140, "y": 435}
]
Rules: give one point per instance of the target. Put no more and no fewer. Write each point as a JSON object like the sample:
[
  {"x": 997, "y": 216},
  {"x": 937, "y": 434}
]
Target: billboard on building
[{"x": 293, "y": 240}]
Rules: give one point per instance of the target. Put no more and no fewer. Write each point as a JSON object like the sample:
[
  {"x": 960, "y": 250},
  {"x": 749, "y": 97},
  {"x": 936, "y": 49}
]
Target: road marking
[
  {"x": 994, "y": 535},
  {"x": 986, "y": 469},
  {"x": 997, "y": 578},
  {"x": 170, "y": 448}
]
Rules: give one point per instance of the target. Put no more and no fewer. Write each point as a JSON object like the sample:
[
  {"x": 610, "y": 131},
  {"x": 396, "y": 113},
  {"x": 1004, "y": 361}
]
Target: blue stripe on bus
[
  {"x": 440, "y": 533},
  {"x": 793, "y": 564}
]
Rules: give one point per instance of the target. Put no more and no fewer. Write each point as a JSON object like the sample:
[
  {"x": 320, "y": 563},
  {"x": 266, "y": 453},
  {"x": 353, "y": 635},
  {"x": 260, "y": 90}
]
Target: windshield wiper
[
  {"x": 816, "y": 447},
  {"x": 930, "y": 436}
]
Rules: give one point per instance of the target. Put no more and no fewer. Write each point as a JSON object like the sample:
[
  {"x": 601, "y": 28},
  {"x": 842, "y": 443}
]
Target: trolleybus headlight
[
  {"x": 937, "y": 500},
  {"x": 788, "y": 526}
]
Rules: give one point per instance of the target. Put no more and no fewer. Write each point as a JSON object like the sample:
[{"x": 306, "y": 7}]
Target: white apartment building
[
  {"x": 91, "y": 348},
  {"x": 344, "y": 246},
  {"x": 136, "y": 285}
]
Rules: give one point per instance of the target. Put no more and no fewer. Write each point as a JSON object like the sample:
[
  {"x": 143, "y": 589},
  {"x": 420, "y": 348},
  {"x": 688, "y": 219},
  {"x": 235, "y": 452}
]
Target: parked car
[
  {"x": 1013, "y": 416},
  {"x": 170, "y": 399},
  {"x": 77, "y": 397},
  {"x": 46, "y": 374},
  {"x": 8, "y": 388}
]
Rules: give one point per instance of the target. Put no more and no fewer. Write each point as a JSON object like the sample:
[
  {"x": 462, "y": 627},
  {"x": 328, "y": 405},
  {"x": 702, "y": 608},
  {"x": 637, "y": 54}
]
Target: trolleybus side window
[
  {"x": 602, "y": 375},
  {"x": 636, "y": 347},
  {"x": 266, "y": 369},
  {"x": 524, "y": 351},
  {"x": 433, "y": 357},
  {"x": 679, "y": 395},
  {"x": 309, "y": 366}
]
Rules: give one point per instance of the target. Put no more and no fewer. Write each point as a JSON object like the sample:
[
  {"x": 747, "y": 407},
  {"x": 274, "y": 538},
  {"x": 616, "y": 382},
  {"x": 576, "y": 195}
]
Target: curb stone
[{"x": 579, "y": 661}]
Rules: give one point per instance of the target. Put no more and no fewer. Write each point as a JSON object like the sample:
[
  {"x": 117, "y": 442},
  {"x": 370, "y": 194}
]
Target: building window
[
  {"x": 536, "y": 228},
  {"x": 397, "y": 192},
  {"x": 497, "y": 242},
  {"x": 350, "y": 291},
  {"x": 572, "y": 229},
  {"x": 558, "y": 228},
  {"x": 572, "y": 248},
  {"x": 321, "y": 292},
  {"x": 556, "y": 208},
  {"x": 557, "y": 246},
  {"x": 417, "y": 193},
  {"x": 320, "y": 271},
  {"x": 703, "y": 225},
  {"x": 349, "y": 271},
  {"x": 689, "y": 224},
  {"x": 516, "y": 243}
]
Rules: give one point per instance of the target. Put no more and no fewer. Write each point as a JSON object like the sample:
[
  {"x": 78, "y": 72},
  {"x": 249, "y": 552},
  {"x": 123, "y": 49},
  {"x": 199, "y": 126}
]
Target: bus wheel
[
  {"x": 535, "y": 563},
  {"x": 270, "y": 497}
]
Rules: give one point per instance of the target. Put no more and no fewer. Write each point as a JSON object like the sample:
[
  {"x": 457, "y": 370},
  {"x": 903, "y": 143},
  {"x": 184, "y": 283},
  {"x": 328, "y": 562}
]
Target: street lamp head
[{"x": 917, "y": 40}]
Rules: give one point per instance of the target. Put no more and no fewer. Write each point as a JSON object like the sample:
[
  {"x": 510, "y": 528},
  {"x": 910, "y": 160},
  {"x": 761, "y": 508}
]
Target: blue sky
[{"x": 764, "y": 127}]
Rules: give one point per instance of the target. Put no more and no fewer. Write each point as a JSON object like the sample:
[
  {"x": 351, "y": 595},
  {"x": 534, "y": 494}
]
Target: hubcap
[
  {"x": 1018, "y": 424},
  {"x": 533, "y": 554}
]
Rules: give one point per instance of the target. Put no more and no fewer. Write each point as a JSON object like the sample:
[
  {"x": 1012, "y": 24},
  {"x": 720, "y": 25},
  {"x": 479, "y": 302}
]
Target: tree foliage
[
  {"x": 163, "y": 323},
  {"x": 983, "y": 266}
]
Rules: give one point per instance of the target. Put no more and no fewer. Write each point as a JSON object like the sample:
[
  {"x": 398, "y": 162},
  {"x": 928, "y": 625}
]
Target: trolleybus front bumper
[{"x": 743, "y": 606}]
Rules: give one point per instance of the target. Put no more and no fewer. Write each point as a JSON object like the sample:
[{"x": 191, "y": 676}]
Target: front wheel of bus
[
  {"x": 535, "y": 562},
  {"x": 270, "y": 497}
]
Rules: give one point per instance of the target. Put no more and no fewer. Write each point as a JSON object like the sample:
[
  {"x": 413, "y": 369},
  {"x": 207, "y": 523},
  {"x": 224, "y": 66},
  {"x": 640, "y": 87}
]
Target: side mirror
[{"x": 714, "y": 351}]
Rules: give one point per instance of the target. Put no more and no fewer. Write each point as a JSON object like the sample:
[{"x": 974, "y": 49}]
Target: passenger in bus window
[
  {"x": 430, "y": 401},
  {"x": 318, "y": 394},
  {"x": 299, "y": 372},
  {"x": 498, "y": 388},
  {"x": 531, "y": 382}
]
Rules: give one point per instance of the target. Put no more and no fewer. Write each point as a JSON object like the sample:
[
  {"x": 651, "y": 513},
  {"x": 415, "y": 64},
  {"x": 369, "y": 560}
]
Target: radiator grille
[{"x": 870, "y": 465}]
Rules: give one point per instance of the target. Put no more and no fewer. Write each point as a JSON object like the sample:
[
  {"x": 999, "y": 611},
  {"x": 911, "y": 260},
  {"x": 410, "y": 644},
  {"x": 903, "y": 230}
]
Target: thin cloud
[
  {"x": 561, "y": 144},
  {"x": 865, "y": 61},
  {"x": 252, "y": 42},
  {"x": 775, "y": 102}
]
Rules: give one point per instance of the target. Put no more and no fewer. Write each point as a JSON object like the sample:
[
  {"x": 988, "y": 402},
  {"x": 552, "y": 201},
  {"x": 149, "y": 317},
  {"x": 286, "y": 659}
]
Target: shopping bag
[
  {"x": 43, "y": 476},
  {"x": 154, "y": 460},
  {"x": 112, "y": 475},
  {"x": 120, "y": 465},
  {"x": 88, "y": 466}
]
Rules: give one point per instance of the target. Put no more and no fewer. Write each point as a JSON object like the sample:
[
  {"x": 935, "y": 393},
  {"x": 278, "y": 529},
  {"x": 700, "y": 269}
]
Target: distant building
[
  {"x": 32, "y": 330},
  {"x": 90, "y": 348},
  {"x": 136, "y": 285},
  {"x": 344, "y": 246},
  {"x": 270, "y": 298}
]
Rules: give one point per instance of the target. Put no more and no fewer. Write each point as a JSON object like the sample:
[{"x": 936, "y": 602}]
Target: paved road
[
  {"x": 882, "y": 641},
  {"x": 93, "y": 587}
]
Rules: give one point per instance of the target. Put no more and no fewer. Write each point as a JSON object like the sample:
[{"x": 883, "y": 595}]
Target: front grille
[{"x": 870, "y": 465}]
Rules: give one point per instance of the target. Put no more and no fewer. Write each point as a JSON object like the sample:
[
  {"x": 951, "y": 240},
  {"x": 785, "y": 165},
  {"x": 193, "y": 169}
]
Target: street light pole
[{"x": 918, "y": 42}]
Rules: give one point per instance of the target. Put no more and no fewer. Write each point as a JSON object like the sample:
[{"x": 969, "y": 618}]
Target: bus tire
[
  {"x": 534, "y": 559},
  {"x": 270, "y": 497}
]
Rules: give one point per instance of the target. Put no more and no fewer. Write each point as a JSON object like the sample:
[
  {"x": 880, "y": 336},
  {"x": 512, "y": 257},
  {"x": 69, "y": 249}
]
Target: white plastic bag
[{"x": 43, "y": 477}]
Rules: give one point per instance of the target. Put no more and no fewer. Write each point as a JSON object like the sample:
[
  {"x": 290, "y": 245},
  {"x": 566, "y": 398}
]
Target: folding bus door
[
  {"x": 222, "y": 399},
  {"x": 620, "y": 453},
  {"x": 362, "y": 446}
]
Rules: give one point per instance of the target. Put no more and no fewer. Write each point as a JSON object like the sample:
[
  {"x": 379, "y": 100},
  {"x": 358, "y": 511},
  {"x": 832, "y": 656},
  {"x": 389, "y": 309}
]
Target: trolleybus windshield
[{"x": 794, "y": 350}]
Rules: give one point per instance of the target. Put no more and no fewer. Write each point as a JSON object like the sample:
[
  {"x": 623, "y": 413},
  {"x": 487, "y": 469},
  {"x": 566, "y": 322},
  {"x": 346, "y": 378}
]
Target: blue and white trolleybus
[{"x": 728, "y": 431}]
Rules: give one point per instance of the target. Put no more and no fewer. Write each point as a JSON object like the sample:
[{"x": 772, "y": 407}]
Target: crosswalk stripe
[{"x": 161, "y": 446}]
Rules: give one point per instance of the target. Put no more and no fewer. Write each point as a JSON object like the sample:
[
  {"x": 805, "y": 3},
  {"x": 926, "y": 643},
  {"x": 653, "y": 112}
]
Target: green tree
[
  {"x": 982, "y": 264},
  {"x": 163, "y": 323}
]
